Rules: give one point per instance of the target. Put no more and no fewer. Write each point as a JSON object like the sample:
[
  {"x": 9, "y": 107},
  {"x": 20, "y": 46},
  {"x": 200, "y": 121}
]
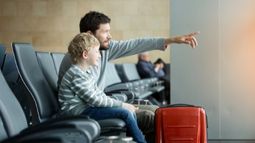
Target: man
[
  {"x": 98, "y": 24},
  {"x": 147, "y": 69}
]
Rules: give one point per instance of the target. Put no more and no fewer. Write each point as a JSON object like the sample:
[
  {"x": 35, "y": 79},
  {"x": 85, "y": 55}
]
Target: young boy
[{"x": 78, "y": 91}]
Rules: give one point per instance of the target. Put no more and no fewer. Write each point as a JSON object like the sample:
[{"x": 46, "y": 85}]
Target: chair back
[
  {"x": 57, "y": 59},
  {"x": 2, "y": 55},
  {"x": 129, "y": 72},
  {"x": 48, "y": 68},
  {"x": 112, "y": 76},
  {"x": 41, "y": 93},
  {"x": 12, "y": 117}
]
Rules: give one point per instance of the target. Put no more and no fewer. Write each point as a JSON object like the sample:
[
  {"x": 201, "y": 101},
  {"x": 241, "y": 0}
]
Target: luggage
[{"x": 180, "y": 123}]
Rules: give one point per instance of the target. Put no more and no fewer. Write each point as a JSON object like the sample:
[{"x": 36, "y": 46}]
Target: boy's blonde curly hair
[{"x": 80, "y": 43}]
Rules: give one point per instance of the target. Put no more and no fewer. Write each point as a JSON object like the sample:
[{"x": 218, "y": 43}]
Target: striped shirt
[{"x": 78, "y": 91}]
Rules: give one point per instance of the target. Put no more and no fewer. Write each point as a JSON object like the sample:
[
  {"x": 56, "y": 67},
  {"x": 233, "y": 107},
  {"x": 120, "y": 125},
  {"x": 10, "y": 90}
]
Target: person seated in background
[
  {"x": 147, "y": 69},
  {"x": 80, "y": 95},
  {"x": 159, "y": 65}
]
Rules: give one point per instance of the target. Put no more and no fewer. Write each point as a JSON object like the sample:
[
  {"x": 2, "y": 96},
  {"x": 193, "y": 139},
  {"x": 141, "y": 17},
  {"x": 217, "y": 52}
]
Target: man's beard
[{"x": 103, "y": 48}]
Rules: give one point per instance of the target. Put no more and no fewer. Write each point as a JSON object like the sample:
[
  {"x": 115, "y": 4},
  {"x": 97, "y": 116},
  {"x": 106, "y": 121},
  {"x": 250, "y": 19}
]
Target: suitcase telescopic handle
[{"x": 181, "y": 105}]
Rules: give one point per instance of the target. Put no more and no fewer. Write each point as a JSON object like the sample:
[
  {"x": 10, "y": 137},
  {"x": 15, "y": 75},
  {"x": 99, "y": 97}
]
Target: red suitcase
[{"x": 180, "y": 123}]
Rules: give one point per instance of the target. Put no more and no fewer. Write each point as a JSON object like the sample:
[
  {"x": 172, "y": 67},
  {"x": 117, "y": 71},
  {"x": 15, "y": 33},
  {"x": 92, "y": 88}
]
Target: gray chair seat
[{"x": 14, "y": 127}]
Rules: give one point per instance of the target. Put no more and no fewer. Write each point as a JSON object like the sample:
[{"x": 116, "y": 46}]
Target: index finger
[
  {"x": 193, "y": 33},
  {"x": 195, "y": 41}
]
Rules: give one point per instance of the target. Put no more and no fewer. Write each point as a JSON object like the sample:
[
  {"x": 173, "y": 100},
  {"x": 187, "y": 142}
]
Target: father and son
[{"x": 82, "y": 72}]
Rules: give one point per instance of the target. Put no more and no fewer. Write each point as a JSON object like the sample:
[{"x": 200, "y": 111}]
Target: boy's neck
[{"x": 83, "y": 66}]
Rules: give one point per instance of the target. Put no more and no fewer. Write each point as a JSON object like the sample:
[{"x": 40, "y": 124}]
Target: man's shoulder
[
  {"x": 142, "y": 63},
  {"x": 67, "y": 58},
  {"x": 64, "y": 66}
]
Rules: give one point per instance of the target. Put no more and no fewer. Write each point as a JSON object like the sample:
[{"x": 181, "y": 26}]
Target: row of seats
[
  {"x": 125, "y": 77},
  {"x": 15, "y": 128},
  {"x": 44, "y": 97},
  {"x": 121, "y": 78},
  {"x": 38, "y": 73},
  {"x": 129, "y": 73}
]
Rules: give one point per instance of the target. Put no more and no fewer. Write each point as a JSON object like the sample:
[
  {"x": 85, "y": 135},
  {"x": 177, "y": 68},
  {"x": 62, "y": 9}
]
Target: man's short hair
[
  {"x": 141, "y": 55},
  {"x": 92, "y": 20}
]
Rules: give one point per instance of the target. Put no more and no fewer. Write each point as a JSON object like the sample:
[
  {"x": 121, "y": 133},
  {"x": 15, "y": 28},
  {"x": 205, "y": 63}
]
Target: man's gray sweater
[{"x": 117, "y": 49}]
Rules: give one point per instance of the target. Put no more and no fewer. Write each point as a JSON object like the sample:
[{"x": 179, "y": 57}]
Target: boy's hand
[{"x": 129, "y": 107}]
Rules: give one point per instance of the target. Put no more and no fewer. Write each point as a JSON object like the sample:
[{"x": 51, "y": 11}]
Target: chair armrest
[
  {"x": 122, "y": 94},
  {"x": 112, "y": 125},
  {"x": 118, "y": 96},
  {"x": 141, "y": 102},
  {"x": 44, "y": 140},
  {"x": 116, "y": 87},
  {"x": 57, "y": 134},
  {"x": 82, "y": 123},
  {"x": 130, "y": 95},
  {"x": 157, "y": 88}
]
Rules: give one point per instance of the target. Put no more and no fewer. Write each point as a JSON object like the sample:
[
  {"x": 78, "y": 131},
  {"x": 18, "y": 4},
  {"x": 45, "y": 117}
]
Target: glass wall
[{"x": 220, "y": 73}]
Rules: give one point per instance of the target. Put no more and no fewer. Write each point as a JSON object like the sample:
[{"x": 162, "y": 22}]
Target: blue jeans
[{"x": 99, "y": 113}]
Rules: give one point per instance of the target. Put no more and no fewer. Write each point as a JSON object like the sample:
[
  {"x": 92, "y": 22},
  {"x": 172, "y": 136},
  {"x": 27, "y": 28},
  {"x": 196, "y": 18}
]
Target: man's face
[
  {"x": 103, "y": 35},
  {"x": 146, "y": 57}
]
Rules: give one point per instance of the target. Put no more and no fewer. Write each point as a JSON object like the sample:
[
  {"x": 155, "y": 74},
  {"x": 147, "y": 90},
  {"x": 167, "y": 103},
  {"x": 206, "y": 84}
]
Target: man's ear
[{"x": 84, "y": 54}]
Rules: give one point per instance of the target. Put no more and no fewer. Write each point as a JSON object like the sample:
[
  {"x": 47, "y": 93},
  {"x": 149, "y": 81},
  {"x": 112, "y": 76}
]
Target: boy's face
[
  {"x": 93, "y": 56},
  {"x": 103, "y": 35}
]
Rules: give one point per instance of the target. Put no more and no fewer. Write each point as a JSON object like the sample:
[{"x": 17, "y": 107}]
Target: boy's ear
[
  {"x": 90, "y": 32},
  {"x": 84, "y": 54}
]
